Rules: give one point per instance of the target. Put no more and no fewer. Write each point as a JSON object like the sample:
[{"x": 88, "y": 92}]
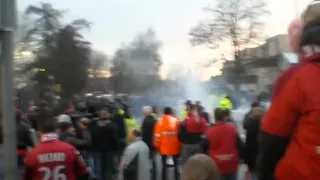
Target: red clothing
[
  {"x": 295, "y": 113},
  {"x": 53, "y": 160},
  {"x": 21, "y": 152},
  {"x": 222, "y": 147},
  {"x": 194, "y": 125}
]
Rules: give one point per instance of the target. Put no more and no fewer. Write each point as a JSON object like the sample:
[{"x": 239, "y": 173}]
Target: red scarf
[{"x": 49, "y": 137}]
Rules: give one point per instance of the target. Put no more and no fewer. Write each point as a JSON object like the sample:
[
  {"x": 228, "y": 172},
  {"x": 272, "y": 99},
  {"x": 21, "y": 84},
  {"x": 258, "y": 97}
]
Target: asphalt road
[{"x": 242, "y": 169}]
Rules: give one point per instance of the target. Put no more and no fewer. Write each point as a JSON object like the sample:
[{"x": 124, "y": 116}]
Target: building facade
[{"x": 264, "y": 62}]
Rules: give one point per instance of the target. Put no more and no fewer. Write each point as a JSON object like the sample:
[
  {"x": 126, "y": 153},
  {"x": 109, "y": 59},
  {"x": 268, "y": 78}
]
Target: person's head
[
  {"x": 48, "y": 127},
  {"x": 256, "y": 113},
  {"x": 154, "y": 110},
  {"x": 134, "y": 133},
  {"x": 200, "y": 167},
  {"x": 220, "y": 115},
  {"x": 70, "y": 108},
  {"x": 147, "y": 110},
  {"x": 42, "y": 115},
  {"x": 310, "y": 34},
  {"x": 255, "y": 104},
  {"x": 198, "y": 103},
  {"x": 66, "y": 127},
  {"x": 193, "y": 108},
  {"x": 296, "y": 29},
  {"x": 312, "y": 12},
  {"x": 48, "y": 123},
  {"x": 227, "y": 112},
  {"x": 67, "y": 107},
  {"x": 187, "y": 104},
  {"x": 65, "y": 124},
  {"x": 82, "y": 123},
  {"x": 168, "y": 111},
  {"x": 103, "y": 115}
]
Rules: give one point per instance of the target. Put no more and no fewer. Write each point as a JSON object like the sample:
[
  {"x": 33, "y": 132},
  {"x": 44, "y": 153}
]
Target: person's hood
[{"x": 103, "y": 122}]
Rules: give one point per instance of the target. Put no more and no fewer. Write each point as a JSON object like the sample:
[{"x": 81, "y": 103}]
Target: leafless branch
[{"x": 238, "y": 21}]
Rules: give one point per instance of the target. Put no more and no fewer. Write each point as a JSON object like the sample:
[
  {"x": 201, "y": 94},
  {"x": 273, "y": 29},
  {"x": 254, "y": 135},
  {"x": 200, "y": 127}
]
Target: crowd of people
[{"x": 107, "y": 143}]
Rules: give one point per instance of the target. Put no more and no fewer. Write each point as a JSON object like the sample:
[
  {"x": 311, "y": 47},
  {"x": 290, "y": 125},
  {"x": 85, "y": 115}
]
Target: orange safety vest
[{"x": 166, "y": 135}]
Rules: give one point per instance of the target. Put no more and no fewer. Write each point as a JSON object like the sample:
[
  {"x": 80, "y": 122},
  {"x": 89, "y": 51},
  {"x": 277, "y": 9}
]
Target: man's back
[
  {"x": 166, "y": 135},
  {"x": 53, "y": 160},
  {"x": 147, "y": 131},
  {"x": 104, "y": 136},
  {"x": 143, "y": 153},
  {"x": 139, "y": 152},
  {"x": 222, "y": 148}
]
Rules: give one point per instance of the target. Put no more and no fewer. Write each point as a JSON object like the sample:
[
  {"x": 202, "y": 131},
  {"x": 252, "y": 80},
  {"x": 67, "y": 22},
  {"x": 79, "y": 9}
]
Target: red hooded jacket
[
  {"x": 191, "y": 129},
  {"x": 194, "y": 123},
  {"x": 294, "y": 117}
]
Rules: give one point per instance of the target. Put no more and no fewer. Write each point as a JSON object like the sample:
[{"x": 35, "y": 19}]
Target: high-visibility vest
[
  {"x": 120, "y": 111},
  {"x": 129, "y": 124},
  {"x": 183, "y": 115},
  {"x": 166, "y": 135},
  {"x": 154, "y": 115}
]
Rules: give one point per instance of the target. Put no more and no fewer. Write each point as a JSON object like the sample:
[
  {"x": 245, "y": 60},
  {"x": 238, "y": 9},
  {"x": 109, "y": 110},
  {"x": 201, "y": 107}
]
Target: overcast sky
[{"x": 117, "y": 21}]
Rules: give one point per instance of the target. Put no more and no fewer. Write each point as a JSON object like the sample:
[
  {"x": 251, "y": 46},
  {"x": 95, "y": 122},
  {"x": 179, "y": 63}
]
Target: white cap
[{"x": 63, "y": 118}]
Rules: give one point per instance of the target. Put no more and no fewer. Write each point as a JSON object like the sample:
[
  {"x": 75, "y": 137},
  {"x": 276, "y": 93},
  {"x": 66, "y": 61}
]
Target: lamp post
[{"x": 7, "y": 26}]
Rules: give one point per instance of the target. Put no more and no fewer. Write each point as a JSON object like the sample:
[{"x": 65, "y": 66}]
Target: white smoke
[{"x": 197, "y": 90}]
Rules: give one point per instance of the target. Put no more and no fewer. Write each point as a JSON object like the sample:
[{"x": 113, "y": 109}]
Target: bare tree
[
  {"x": 135, "y": 66},
  {"x": 236, "y": 21},
  {"x": 23, "y": 52}
]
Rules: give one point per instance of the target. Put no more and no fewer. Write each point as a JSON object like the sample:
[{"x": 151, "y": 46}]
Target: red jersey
[
  {"x": 222, "y": 148},
  {"x": 54, "y": 160}
]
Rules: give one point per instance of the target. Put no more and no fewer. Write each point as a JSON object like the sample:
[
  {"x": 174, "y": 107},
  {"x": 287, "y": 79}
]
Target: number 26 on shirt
[{"x": 53, "y": 174}]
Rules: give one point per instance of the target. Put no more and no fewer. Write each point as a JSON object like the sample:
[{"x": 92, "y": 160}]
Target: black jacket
[
  {"x": 118, "y": 120},
  {"x": 78, "y": 143},
  {"x": 147, "y": 128},
  {"x": 188, "y": 137},
  {"x": 104, "y": 135},
  {"x": 251, "y": 145},
  {"x": 24, "y": 138}
]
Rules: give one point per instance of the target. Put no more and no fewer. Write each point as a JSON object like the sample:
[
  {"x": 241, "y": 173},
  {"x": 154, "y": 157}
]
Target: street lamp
[{"x": 7, "y": 27}]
